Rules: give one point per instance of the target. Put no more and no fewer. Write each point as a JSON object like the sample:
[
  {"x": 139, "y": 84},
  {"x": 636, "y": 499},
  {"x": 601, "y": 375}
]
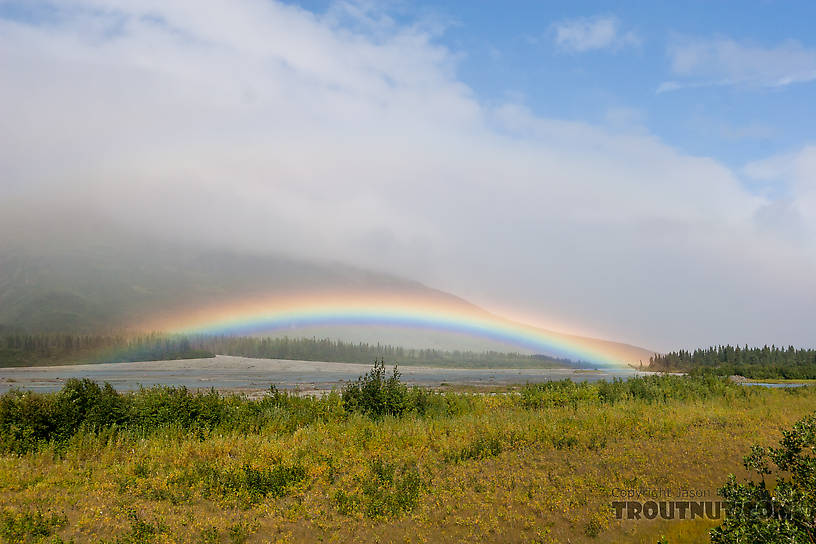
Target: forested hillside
[{"x": 752, "y": 362}]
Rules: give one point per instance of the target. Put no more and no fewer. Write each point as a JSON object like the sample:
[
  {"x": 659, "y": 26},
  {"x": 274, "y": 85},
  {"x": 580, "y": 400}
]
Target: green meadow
[{"x": 376, "y": 462}]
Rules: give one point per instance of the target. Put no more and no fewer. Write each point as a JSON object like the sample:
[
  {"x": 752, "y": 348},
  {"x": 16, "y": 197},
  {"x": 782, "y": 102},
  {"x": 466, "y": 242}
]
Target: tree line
[
  {"x": 19, "y": 349},
  {"x": 766, "y": 362},
  {"x": 327, "y": 349},
  {"x": 45, "y": 349}
]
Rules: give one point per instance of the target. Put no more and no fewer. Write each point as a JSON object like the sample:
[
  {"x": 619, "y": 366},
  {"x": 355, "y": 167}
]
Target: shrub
[
  {"x": 239, "y": 533},
  {"x": 786, "y": 514},
  {"x": 84, "y": 402},
  {"x": 481, "y": 448},
  {"x": 558, "y": 393},
  {"x": 210, "y": 535},
  {"x": 29, "y": 526},
  {"x": 141, "y": 532},
  {"x": 651, "y": 389},
  {"x": 376, "y": 394},
  {"x": 597, "y": 523},
  {"x": 29, "y": 420},
  {"x": 25, "y": 420},
  {"x": 386, "y": 491},
  {"x": 246, "y": 483},
  {"x": 164, "y": 406}
]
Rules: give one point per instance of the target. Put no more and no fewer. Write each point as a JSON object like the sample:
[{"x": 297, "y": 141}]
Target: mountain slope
[{"x": 99, "y": 279}]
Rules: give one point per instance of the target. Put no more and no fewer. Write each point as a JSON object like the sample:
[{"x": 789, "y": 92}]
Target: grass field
[{"x": 537, "y": 465}]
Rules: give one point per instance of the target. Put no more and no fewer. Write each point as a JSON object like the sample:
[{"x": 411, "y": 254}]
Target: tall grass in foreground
[
  {"x": 373, "y": 461},
  {"x": 28, "y": 421}
]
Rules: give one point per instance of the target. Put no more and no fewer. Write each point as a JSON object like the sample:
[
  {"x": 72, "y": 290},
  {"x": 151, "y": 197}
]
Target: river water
[{"x": 226, "y": 373}]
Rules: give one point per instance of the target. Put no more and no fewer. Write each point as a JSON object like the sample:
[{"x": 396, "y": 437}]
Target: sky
[{"x": 644, "y": 172}]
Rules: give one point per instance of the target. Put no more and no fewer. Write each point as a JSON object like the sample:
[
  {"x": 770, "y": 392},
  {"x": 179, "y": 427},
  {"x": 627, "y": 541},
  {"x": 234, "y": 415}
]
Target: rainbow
[{"x": 284, "y": 312}]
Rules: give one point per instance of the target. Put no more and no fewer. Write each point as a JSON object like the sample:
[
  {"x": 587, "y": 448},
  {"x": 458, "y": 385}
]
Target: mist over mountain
[{"x": 100, "y": 277}]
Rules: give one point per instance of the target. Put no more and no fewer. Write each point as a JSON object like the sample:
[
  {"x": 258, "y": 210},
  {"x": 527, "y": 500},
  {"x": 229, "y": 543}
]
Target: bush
[
  {"x": 481, "y": 448},
  {"x": 651, "y": 389},
  {"x": 29, "y": 526},
  {"x": 247, "y": 483},
  {"x": 558, "y": 393},
  {"x": 377, "y": 395},
  {"x": 29, "y": 420},
  {"x": 165, "y": 406},
  {"x": 141, "y": 532},
  {"x": 786, "y": 514},
  {"x": 85, "y": 403},
  {"x": 386, "y": 491}
]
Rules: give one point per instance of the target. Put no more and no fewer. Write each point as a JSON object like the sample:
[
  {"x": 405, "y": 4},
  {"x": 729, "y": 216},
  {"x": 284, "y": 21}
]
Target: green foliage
[
  {"x": 326, "y": 349},
  {"x": 246, "y": 483},
  {"x": 25, "y": 527},
  {"x": 30, "y": 420},
  {"x": 481, "y": 448},
  {"x": 364, "y": 465},
  {"x": 26, "y": 419},
  {"x": 651, "y": 389},
  {"x": 19, "y": 349},
  {"x": 163, "y": 406},
  {"x": 756, "y": 363},
  {"x": 210, "y": 535},
  {"x": 387, "y": 491},
  {"x": 558, "y": 393},
  {"x": 84, "y": 402},
  {"x": 593, "y": 528},
  {"x": 238, "y": 533},
  {"x": 376, "y": 394},
  {"x": 56, "y": 349},
  {"x": 141, "y": 531},
  {"x": 785, "y": 513}
]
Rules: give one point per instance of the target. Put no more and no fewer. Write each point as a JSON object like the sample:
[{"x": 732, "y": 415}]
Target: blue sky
[
  {"x": 639, "y": 171},
  {"x": 509, "y": 48},
  {"x": 714, "y": 121}
]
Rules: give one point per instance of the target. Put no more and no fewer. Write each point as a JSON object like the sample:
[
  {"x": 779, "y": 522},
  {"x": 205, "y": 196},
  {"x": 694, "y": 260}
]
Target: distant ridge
[{"x": 101, "y": 279}]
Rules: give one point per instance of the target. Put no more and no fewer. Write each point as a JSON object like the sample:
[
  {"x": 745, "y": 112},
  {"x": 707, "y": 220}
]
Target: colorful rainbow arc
[{"x": 282, "y": 314}]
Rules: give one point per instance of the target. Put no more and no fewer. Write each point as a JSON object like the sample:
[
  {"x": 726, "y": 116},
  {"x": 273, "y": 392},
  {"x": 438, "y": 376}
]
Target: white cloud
[
  {"x": 796, "y": 171},
  {"x": 261, "y": 125},
  {"x": 700, "y": 62},
  {"x": 592, "y": 33}
]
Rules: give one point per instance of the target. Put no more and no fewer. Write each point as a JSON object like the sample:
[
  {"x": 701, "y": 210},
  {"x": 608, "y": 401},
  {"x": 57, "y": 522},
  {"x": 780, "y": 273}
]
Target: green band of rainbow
[{"x": 276, "y": 316}]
